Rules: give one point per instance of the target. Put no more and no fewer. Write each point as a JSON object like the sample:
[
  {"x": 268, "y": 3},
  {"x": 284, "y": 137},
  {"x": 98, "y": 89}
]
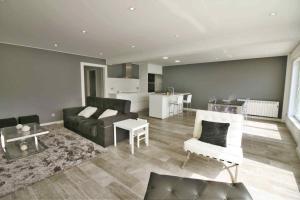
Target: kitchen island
[{"x": 159, "y": 104}]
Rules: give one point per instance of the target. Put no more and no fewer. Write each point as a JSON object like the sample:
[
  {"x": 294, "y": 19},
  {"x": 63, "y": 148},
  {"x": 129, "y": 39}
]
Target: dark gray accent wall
[
  {"x": 118, "y": 71},
  {"x": 261, "y": 78},
  {"x": 34, "y": 81}
]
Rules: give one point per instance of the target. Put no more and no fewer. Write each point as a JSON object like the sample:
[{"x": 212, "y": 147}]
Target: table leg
[
  {"x": 131, "y": 141},
  {"x": 3, "y": 143},
  {"x": 147, "y": 135},
  {"x": 36, "y": 141},
  {"x": 115, "y": 135}
]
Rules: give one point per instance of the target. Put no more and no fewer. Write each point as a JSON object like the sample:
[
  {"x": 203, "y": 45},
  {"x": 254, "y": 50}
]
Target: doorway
[{"x": 93, "y": 80}]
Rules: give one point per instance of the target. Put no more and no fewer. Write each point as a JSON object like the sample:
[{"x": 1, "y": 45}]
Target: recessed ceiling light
[
  {"x": 132, "y": 46},
  {"x": 176, "y": 35},
  {"x": 177, "y": 61},
  {"x": 165, "y": 57},
  {"x": 55, "y": 45},
  {"x": 83, "y": 31},
  {"x": 131, "y": 8},
  {"x": 100, "y": 53},
  {"x": 217, "y": 58},
  {"x": 273, "y": 14}
]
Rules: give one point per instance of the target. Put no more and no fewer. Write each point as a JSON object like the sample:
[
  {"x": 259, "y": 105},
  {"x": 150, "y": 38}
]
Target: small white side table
[{"x": 131, "y": 125}]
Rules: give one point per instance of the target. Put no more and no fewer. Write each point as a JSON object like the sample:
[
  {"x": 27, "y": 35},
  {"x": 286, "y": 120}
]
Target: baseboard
[{"x": 51, "y": 123}]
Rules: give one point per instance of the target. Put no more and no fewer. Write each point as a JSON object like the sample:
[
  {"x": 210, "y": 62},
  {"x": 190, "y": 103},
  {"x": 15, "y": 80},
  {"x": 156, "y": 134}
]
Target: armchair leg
[
  {"x": 233, "y": 178},
  {"x": 236, "y": 173},
  {"x": 186, "y": 160}
]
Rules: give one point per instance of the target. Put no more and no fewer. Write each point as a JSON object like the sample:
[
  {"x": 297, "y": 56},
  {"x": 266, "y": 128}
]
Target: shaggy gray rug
[{"x": 65, "y": 149}]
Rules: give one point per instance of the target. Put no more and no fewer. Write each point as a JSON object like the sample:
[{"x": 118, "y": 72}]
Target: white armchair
[{"x": 232, "y": 154}]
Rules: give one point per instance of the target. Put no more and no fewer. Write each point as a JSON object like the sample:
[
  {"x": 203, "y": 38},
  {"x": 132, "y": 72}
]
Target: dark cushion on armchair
[{"x": 175, "y": 188}]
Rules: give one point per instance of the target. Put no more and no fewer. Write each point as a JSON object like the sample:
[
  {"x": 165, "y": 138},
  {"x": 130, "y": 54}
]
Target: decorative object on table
[
  {"x": 19, "y": 126},
  {"x": 23, "y": 146},
  {"x": 212, "y": 99},
  {"x": 8, "y": 122},
  {"x": 232, "y": 154},
  {"x": 165, "y": 187},
  {"x": 136, "y": 128},
  {"x": 29, "y": 119},
  {"x": 26, "y": 128},
  {"x": 65, "y": 149}
]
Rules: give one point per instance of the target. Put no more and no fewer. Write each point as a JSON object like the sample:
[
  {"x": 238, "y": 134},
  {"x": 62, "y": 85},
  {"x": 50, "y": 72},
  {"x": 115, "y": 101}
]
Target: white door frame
[{"x": 82, "y": 64}]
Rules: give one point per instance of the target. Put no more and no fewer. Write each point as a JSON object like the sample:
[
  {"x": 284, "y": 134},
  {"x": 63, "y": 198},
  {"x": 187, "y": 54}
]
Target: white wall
[
  {"x": 154, "y": 69},
  {"x": 143, "y": 74},
  {"x": 291, "y": 123},
  {"x": 115, "y": 85}
]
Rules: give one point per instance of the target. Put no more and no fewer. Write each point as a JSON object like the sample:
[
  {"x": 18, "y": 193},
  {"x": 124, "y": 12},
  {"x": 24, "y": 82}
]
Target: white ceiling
[{"x": 208, "y": 30}]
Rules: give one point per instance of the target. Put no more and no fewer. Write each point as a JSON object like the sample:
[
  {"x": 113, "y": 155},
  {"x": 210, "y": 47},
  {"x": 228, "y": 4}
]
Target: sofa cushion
[
  {"x": 88, "y": 127},
  {"x": 172, "y": 187},
  {"x": 88, "y": 112},
  {"x": 122, "y": 106},
  {"x": 108, "y": 113}
]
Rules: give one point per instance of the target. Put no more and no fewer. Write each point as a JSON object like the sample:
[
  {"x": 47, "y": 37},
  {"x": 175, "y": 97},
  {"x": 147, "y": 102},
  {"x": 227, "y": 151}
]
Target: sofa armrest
[
  {"x": 71, "y": 111},
  {"x": 133, "y": 115},
  {"x": 108, "y": 121}
]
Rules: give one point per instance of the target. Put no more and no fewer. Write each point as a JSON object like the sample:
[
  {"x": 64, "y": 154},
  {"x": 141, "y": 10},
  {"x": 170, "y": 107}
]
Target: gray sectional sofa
[{"x": 99, "y": 131}]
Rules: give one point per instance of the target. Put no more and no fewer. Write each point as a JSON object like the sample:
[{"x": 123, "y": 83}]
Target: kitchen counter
[{"x": 159, "y": 104}]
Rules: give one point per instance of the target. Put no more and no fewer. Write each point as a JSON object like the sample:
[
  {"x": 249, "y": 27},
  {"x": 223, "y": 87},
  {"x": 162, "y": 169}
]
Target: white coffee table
[{"x": 132, "y": 125}]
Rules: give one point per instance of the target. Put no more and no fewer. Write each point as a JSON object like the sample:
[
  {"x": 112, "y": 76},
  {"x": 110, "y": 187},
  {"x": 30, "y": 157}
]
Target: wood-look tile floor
[{"x": 271, "y": 168}]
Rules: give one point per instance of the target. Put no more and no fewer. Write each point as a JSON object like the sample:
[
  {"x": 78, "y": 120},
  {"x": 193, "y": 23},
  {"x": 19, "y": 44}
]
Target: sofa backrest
[
  {"x": 235, "y": 130},
  {"x": 122, "y": 106}
]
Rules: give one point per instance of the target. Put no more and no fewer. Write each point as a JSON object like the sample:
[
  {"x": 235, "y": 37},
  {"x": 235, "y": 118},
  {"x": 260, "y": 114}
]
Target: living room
[{"x": 106, "y": 100}]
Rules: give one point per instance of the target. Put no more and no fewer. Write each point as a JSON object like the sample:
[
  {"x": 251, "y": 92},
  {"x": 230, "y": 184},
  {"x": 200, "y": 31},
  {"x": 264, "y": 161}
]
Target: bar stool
[
  {"x": 188, "y": 101},
  {"x": 178, "y": 104}
]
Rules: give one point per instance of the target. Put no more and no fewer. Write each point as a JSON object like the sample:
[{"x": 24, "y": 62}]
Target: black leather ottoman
[{"x": 172, "y": 187}]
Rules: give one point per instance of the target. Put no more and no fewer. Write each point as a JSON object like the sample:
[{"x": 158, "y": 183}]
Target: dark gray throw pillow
[{"x": 214, "y": 133}]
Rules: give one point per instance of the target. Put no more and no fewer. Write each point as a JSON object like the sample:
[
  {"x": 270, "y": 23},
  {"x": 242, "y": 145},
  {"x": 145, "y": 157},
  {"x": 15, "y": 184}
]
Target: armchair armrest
[
  {"x": 108, "y": 121},
  {"x": 71, "y": 111}
]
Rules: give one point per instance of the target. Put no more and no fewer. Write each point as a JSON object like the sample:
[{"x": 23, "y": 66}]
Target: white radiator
[{"x": 261, "y": 108}]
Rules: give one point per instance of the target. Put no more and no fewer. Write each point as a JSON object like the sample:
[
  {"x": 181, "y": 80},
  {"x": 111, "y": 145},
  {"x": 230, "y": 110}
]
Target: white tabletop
[{"x": 130, "y": 124}]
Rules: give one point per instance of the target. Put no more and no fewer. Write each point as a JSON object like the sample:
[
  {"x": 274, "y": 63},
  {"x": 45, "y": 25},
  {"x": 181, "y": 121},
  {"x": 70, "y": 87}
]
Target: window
[{"x": 295, "y": 88}]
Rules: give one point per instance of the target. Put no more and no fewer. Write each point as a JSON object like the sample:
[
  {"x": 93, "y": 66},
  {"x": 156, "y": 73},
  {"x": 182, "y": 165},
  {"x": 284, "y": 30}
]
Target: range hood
[{"x": 127, "y": 70}]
